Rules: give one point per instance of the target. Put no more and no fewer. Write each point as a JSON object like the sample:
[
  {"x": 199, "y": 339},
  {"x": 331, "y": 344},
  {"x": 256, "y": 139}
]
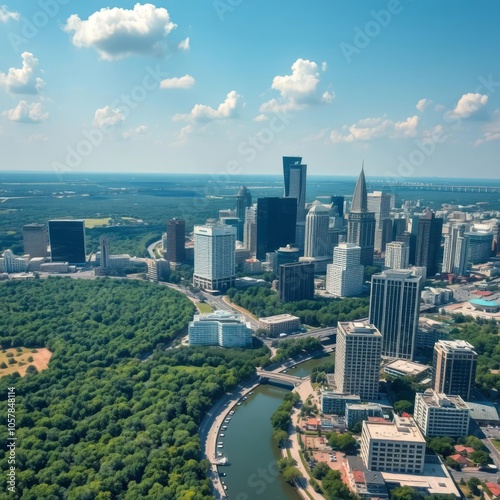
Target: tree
[
  {"x": 480, "y": 457},
  {"x": 442, "y": 445},
  {"x": 403, "y": 406},
  {"x": 475, "y": 443},
  {"x": 342, "y": 442},
  {"x": 291, "y": 474},
  {"x": 280, "y": 436},
  {"x": 453, "y": 464},
  {"x": 320, "y": 470},
  {"x": 473, "y": 484},
  {"x": 3, "y": 364},
  {"x": 405, "y": 493}
]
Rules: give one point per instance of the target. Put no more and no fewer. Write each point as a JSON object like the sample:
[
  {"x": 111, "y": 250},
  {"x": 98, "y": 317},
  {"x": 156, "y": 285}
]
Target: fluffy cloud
[
  {"x": 371, "y": 128},
  {"x": 184, "y": 45},
  {"x": 117, "y": 33},
  {"x": 6, "y": 14},
  {"x": 298, "y": 89},
  {"x": 108, "y": 117},
  {"x": 26, "y": 113},
  {"x": 23, "y": 80},
  {"x": 491, "y": 132},
  {"x": 423, "y": 104},
  {"x": 135, "y": 133},
  {"x": 203, "y": 113},
  {"x": 183, "y": 82},
  {"x": 181, "y": 137},
  {"x": 469, "y": 104}
]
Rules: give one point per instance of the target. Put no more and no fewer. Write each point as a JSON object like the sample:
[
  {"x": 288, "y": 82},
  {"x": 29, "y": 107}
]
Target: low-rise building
[
  {"x": 355, "y": 413},
  {"x": 404, "y": 368},
  {"x": 54, "y": 267},
  {"x": 335, "y": 402},
  {"x": 438, "y": 414},
  {"x": 220, "y": 328},
  {"x": 365, "y": 483},
  {"x": 437, "y": 296},
  {"x": 393, "y": 446},
  {"x": 281, "y": 323}
]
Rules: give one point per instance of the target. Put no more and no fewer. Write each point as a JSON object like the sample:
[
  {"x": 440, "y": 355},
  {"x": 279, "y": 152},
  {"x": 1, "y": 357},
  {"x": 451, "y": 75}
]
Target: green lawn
[
  {"x": 204, "y": 308},
  {"x": 91, "y": 223},
  {"x": 496, "y": 443}
]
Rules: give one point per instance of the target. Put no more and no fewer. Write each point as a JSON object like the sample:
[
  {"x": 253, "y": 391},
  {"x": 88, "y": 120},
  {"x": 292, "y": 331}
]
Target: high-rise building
[
  {"x": 176, "y": 240},
  {"x": 357, "y": 359},
  {"x": 394, "y": 310},
  {"x": 296, "y": 282},
  {"x": 214, "y": 256},
  {"x": 317, "y": 239},
  {"x": 295, "y": 175},
  {"x": 441, "y": 414},
  {"x": 454, "y": 368},
  {"x": 361, "y": 222},
  {"x": 456, "y": 250},
  {"x": 480, "y": 244},
  {"x": 35, "y": 240},
  {"x": 67, "y": 241},
  {"x": 250, "y": 230},
  {"x": 344, "y": 278},
  {"x": 338, "y": 204},
  {"x": 397, "y": 255},
  {"x": 243, "y": 201},
  {"x": 104, "y": 246},
  {"x": 276, "y": 220},
  {"x": 380, "y": 204},
  {"x": 425, "y": 242}
]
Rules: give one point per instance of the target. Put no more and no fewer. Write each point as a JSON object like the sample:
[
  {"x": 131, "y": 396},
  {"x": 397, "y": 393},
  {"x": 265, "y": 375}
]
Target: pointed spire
[{"x": 360, "y": 197}]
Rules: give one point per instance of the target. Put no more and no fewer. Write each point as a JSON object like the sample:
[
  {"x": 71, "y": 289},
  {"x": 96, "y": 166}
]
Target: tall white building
[
  {"x": 220, "y": 328},
  {"x": 394, "y": 310},
  {"x": 397, "y": 255},
  {"x": 380, "y": 204},
  {"x": 317, "y": 238},
  {"x": 250, "y": 229},
  {"x": 438, "y": 414},
  {"x": 357, "y": 359},
  {"x": 214, "y": 256},
  {"x": 344, "y": 278},
  {"x": 393, "y": 446},
  {"x": 456, "y": 251}
]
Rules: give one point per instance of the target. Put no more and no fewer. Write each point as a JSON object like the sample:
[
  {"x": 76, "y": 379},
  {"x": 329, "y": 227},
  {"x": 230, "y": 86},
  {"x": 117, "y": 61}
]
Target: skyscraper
[
  {"x": 176, "y": 239},
  {"x": 425, "y": 242},
  {"x": 357, "y": 359},
  {"x": 380, "y": 204},
  {"x": 394, "y": 310},
  {"x": 480, "y": 244},
  {"x": 397, "y": 255},
  {"x": 35, "y": 240},
  {"x": 243, "y": 201},
  {"x": 276, "y": 220},
  {"x": 456, "y": 249},
  {"x": 295, "y": 175},
  {"x": 214, "y": 256},
  {"x": 338, "y": 203},
  {"x": 317, "y": 238},
  {"x": 67, "y": 241},
  {"x": 250, "y": 229},
  {"x": 344, "y": 278},
  {"x": 104, "y": 245},
  {"x": 454, "y": 368},
  {"x": 296, "y": 281},
  {"x": 361, "y": 222}
]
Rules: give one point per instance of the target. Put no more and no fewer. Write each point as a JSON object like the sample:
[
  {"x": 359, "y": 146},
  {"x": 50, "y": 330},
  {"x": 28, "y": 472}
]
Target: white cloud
[
  {"x": 117, "y": 33},
  {"x": 6, "y": 14},
  {"x": 423, "y": 104},
  {"x": 23, "y": 80},
  {"x": 181, "y": 137},
  {"x": 184, "y": 45},
  {"x": 324, "y": 66},
  {"x": 491, "y": 130},
  {"x": 371, "y": 128},
  {"x": 261, "y": 118},
  {"x": 183, "y": 82},
  {"x": 203, "y": 113},
  {"x": 108, "y": 117},
  {"x": 135, "y": 133},
  {"x": 298, "y": 89},
  {"x": 27, "y": 113},
  {"x": 469, "y": 104}
]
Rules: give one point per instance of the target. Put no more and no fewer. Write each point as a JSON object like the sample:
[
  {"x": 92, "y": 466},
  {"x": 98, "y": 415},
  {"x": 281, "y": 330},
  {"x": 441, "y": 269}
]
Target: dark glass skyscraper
[
  {"x": 176, "y": 239},
  {"x": 296, "y": 281},
  {"x": 276, "y": 220},
  {"x": 67, "y": 241},
  {"x": 295, "y": 175},
  {"x": 425, "y": 242},
  {"x": 361, "y": 222}
]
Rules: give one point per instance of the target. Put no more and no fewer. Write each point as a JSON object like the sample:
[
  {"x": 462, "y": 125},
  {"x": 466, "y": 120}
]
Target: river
[{"x": 248, "y": 444}]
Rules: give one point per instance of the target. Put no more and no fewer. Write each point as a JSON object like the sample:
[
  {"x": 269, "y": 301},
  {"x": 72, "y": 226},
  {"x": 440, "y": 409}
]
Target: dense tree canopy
[{"x": 104, "y": 421}]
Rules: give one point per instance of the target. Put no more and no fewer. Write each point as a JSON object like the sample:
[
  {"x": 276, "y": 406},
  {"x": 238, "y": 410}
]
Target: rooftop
[
  {"x": 358, "y": 327},
  {"x": 483, "y": 411},
  {"x": 278, "y": 318},
  {"x": 408, "y": 367},
  {"x": 484, "y": 303},
  {"x": 402, "y": 429},
  {"x": 455, "y": 345},
  {"x": 433, "y": 399}
]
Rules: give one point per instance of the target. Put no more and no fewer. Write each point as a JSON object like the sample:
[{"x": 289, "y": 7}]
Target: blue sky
[{"x": 230, "y": 86}]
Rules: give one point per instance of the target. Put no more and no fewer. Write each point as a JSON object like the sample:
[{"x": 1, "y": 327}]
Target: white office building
[
  {"x": 9, "y": 263},
  {"x": 344, "y": 278},
  {"x": 214, "y": 256},
  {"x": 438, "y": 414},
  {"x": 317, "y": 239},
  {"x": 220, "y": 328},
  {"x": 397, "y": 255},
  {"x": 393, "y": 446}
]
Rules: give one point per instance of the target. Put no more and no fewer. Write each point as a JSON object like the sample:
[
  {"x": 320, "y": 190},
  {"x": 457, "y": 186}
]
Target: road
[{"x": 151, "y": 249}]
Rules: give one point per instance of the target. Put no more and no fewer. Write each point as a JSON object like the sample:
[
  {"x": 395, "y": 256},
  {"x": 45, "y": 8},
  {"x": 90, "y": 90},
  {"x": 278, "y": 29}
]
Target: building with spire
[
  {"x": 361, "y": 222},
  {"x": 243, "y": 201}
]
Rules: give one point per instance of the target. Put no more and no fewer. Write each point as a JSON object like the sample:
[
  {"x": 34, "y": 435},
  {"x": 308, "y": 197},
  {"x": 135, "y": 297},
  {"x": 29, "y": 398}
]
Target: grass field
[
  {"x": 90, "y": 223},
  {"x": 496, "y": 443},
  {"x": 40, "y": 360},
  {"x": 204, "y": 308}
]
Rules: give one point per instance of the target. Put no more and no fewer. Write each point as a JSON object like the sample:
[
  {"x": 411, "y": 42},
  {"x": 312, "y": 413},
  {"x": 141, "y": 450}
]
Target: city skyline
[{"x": 183, "y": 81}]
